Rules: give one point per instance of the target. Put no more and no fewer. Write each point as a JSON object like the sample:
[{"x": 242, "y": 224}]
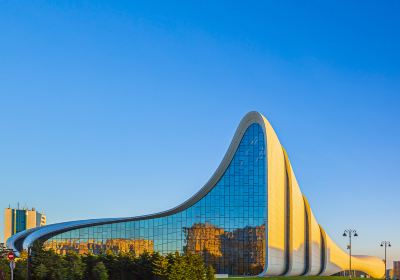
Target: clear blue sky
[{"x": 115, "y": 109}]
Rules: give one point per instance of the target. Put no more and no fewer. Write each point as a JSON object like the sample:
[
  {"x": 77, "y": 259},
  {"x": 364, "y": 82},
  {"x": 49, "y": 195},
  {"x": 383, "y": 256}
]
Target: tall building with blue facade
[
  {"x": 17, "y": 220},
  {"x": 250, "y": 218}
]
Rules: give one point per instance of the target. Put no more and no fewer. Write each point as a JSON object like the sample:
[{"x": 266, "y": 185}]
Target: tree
[
  {"x": 112, "y": 264},
  {"x": 47, "y": 265},
  {"x": 178, "y": 270},
  {"x": 144, "y": 262},
  {"x": 57, "y": 268},
  {"x": 90, "y": 261},
  {"x": 40, "y": 272},
  {"x": 210, "y": 273},
  {"x": 21, "y": 267},
  {"x": 75, "y": 267},
  {"x": 54, "y": 263},
  {"x": 199, "y": 267},
  {"x": 128, "y": 267},
  {"x": 4, "y": 269},
  {"x": 100, "y": 271},
  {"x": 160, "y": 266}
]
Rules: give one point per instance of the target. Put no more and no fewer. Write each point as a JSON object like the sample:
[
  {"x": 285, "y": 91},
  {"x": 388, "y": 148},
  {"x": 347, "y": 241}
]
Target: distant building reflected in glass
[
  {"x": 227, "y": 226},
  {"x": 244, "y": 246}
]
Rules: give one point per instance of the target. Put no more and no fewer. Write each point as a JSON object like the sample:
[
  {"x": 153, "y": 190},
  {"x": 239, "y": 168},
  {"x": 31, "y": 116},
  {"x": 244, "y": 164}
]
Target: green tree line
[{"x": 47, "y": 265}]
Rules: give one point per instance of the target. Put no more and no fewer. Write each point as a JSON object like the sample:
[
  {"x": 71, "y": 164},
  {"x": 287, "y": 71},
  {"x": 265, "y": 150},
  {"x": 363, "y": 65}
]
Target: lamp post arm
[{"x": 351, "y": 271}]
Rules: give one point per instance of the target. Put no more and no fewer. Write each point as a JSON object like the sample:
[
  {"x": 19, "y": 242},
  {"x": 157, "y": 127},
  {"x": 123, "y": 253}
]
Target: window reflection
[{"x": 227, "y": 226}]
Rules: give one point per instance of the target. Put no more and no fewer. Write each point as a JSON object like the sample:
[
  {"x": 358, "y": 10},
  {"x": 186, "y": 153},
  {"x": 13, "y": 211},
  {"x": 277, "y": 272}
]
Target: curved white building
[{"x": 250, "y": 218}]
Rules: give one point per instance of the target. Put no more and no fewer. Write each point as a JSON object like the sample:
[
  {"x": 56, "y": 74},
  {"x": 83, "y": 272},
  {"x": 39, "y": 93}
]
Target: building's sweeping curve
[{"x": 250, "y": 218}]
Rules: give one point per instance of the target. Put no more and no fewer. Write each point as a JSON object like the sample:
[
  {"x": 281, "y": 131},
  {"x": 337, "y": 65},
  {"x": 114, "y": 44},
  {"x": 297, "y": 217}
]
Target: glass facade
[
  {"x": 19, "y": 220},
  {"x": 227, "y": 226}
]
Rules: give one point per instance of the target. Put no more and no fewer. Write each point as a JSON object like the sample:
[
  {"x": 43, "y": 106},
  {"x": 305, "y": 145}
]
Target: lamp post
[
  {"x": 385, "y": 244},
  {"x": 350, "y": 233}
]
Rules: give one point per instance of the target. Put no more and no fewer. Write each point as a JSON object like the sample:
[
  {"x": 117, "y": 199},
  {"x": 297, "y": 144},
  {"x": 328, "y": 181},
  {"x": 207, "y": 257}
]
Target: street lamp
[
  {"x": 350, "y": 233},
  {"x": 385, "y": 244}
]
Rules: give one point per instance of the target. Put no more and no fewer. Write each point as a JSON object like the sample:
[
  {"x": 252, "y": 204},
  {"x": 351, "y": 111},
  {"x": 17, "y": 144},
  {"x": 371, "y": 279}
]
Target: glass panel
[{"x": 227, "y": 227}]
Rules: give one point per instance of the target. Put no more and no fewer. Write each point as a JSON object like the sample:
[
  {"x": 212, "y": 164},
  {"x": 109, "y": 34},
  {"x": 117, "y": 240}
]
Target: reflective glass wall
[{"x": 227, "y": 226}]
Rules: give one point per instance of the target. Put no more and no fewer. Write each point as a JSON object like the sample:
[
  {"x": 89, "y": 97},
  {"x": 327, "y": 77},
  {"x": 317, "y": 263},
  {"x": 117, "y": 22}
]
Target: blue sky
[{"x": 115, "y": 109}]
